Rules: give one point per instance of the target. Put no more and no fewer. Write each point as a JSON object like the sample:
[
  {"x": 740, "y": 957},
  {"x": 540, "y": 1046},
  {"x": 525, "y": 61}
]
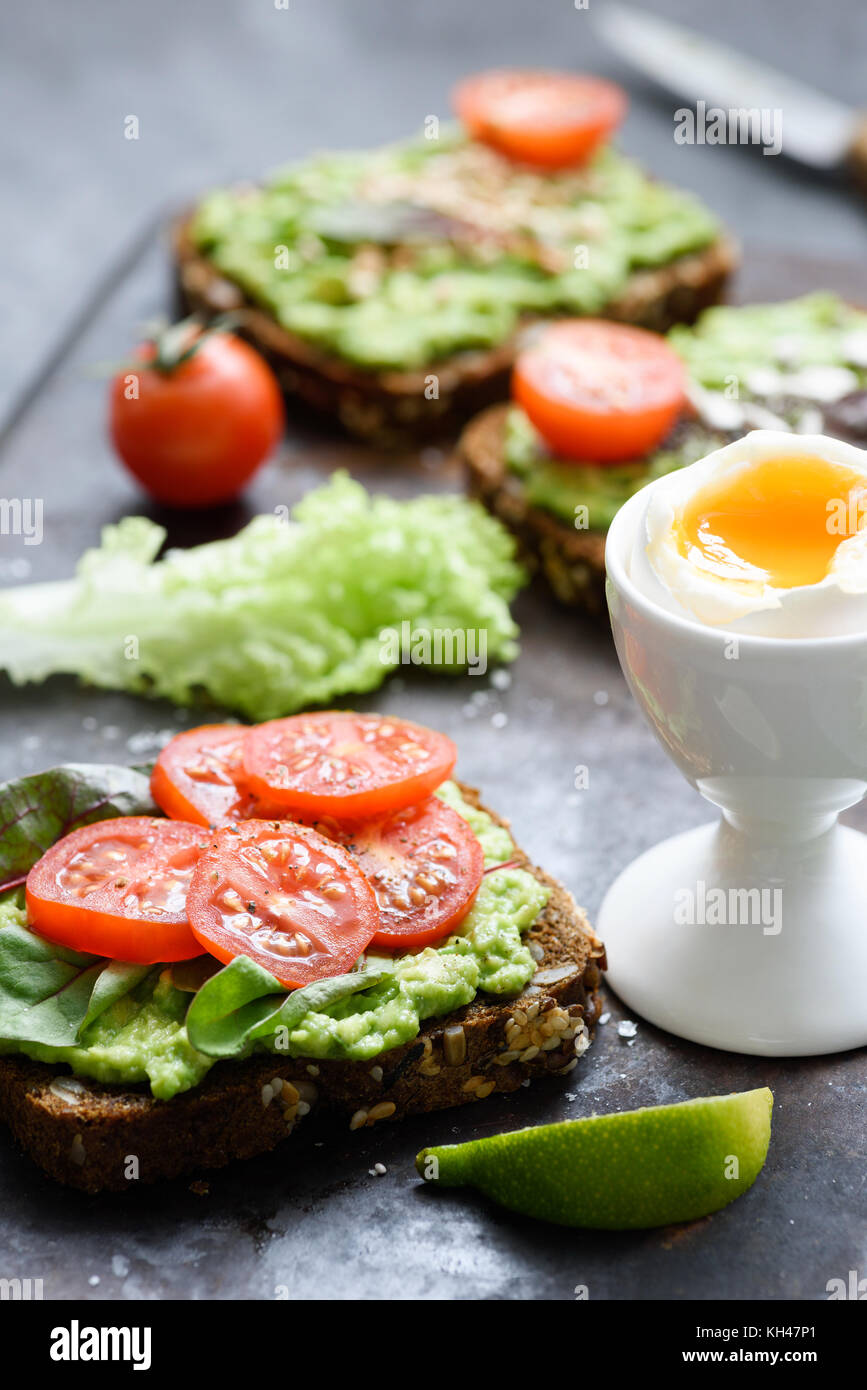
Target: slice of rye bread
[
  {"x": 572, "y": 561},
  {"x": 391, "y": 407},
  {"x": 83, "y": 1133}
]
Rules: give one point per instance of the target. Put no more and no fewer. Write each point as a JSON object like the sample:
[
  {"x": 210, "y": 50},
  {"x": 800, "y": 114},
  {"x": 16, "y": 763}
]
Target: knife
[{"x": 815, "y": 130}]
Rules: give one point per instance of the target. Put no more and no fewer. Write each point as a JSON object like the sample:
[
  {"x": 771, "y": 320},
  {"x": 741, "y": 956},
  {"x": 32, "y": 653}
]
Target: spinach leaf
[
  {"x": 316, "y": 997},
  {"x": 45, "y": 989},
  {"x": 237, "y": 999},
  {"x": 243, "y": 1002},
  {"x": 49, "y": 994},
  {"x": 117, "y": 978},
  {"x": 37, "y": 811}
]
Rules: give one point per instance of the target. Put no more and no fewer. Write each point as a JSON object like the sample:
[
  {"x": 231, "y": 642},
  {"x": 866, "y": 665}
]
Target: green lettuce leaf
[
  {"x": 284, "y": 615},
  {"x": 243, "y": 1002}
]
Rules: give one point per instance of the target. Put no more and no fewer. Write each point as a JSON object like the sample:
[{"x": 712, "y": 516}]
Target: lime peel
[{"x": 629, "y": 1170}]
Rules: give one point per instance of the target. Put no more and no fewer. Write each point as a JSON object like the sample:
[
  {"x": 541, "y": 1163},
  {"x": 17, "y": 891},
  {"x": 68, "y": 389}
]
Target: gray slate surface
[{"x": 312, "y": 1218}]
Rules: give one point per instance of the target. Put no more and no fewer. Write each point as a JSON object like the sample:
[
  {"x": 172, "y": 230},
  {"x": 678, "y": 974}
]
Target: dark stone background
[
  {"x": 227, "y": 88},
  {"x": 223, "y": 98}
]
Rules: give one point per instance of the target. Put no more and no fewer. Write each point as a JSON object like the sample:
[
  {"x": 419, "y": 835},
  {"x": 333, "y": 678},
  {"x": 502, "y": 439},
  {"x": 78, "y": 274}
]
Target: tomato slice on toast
[
  {"x": 551, "y": 119},
  {"x": 347, "y": 765},
  {"x": 599, "y": 392},
  {"x": 118, "y": 888},
  {"x": 199, "y": 776},
  {"x": 424, "y": 864},
  {"x": 284, "y": 895}
]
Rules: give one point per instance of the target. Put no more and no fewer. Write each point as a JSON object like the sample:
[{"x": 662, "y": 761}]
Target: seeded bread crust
[
  {"x": 572, "y": 561},
  {"x": 84, "y": 1133},
  {"x": 391, "y": 407}
]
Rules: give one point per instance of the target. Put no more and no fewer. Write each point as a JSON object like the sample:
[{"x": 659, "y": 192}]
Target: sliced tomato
[
  {"x": 347, "y": 765},
  {"x": 599, "y": 392},
  {"x": 199, "y": 776},
  {"x": 551, "y": 119},
  {"x": 119, "y": 888},
  {"x": 284, "y": 895},
  {"x": 425, "y": 866}
]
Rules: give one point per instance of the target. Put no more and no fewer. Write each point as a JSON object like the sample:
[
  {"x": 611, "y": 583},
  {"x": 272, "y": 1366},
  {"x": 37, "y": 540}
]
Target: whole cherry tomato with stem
[{"x": 195, "y": 414}]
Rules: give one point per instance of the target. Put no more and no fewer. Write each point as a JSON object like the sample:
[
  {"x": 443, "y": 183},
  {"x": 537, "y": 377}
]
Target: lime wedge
[{"x": 636, "y": 1168}]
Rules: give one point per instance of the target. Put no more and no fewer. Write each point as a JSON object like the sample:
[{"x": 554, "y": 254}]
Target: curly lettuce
[{"x": 286, "y": 614}]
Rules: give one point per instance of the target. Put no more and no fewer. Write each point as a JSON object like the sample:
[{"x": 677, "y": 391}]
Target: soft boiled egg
[{"x": 766, "y": 536}]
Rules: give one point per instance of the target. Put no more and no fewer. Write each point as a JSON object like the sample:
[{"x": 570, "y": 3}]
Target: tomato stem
[
  {"x": 173, "y": 344},
  {"x": 176, "y": 343}
]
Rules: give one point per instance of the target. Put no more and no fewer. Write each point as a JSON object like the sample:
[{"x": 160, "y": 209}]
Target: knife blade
[{"x": 816, "y": 130}]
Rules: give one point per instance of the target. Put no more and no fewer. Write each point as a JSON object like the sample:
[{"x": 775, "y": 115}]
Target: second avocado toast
[{"x": 799, "y": 365}]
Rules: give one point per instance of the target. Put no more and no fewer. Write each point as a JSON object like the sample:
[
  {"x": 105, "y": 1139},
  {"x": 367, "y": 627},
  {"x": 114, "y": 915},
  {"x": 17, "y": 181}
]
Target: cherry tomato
[
  {"x": 425, "y": 866},
  {"x": 284, "y": 895},
  {"x": 199, "y": 777},
  {"x": 343, "y": 764},
  {"x": 193, "y": 434},
  {"x": 118, "y": 888},
  {"x": 599, "y": 392},
  {"x": 551, "y": 119}
]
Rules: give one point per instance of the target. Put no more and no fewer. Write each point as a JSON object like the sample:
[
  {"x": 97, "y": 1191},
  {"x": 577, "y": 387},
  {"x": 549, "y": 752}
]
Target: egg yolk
[{"x": 778, "y": 522}]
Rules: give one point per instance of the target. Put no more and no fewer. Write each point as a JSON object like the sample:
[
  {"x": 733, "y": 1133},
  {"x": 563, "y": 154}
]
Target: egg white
[{"x": 834, "y": 606}]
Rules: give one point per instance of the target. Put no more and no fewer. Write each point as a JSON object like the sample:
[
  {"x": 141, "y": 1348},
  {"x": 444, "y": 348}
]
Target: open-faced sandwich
[
  {"x": 321, "y": 920},
  {"x": 598, "y": 410},
  {"x": 386, "y": 287}
]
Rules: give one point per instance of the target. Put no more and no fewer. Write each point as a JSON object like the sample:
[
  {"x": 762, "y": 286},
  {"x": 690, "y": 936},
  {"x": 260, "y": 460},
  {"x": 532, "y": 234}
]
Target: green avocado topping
[
  {"x": 401, "y": 257},
  {"x": 142, "y": 1036}
]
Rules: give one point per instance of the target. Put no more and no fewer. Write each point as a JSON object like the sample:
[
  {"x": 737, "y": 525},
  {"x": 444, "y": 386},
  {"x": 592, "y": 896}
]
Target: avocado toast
[
  {"x": 387, "y": 287},
  {"x": 799, "y": 365},
  {"x": 508, "y": 995}
]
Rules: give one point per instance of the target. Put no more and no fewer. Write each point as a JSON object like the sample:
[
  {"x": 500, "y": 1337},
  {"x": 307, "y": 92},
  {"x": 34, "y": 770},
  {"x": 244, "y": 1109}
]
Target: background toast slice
[
  {"x": 572, "y": 561},
  {"x": 82, "y": 1132},
  {"x": 390, "y": 407}
]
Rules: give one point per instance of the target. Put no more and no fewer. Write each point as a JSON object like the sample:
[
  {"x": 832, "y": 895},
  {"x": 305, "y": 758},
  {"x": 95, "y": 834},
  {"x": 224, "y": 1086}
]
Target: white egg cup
[{"x": 749, "y": 934}]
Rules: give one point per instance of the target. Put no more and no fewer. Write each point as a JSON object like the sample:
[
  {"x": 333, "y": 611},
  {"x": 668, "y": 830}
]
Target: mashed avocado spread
[
  {"x": 142, "y": 1036},
  {"x": 770, "y": 357},
  {"x": 400, "y": 257}
]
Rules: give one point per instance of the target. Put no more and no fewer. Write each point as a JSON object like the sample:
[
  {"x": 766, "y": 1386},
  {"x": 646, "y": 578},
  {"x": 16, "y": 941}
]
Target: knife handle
[{"x": 856, "y": 159}]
